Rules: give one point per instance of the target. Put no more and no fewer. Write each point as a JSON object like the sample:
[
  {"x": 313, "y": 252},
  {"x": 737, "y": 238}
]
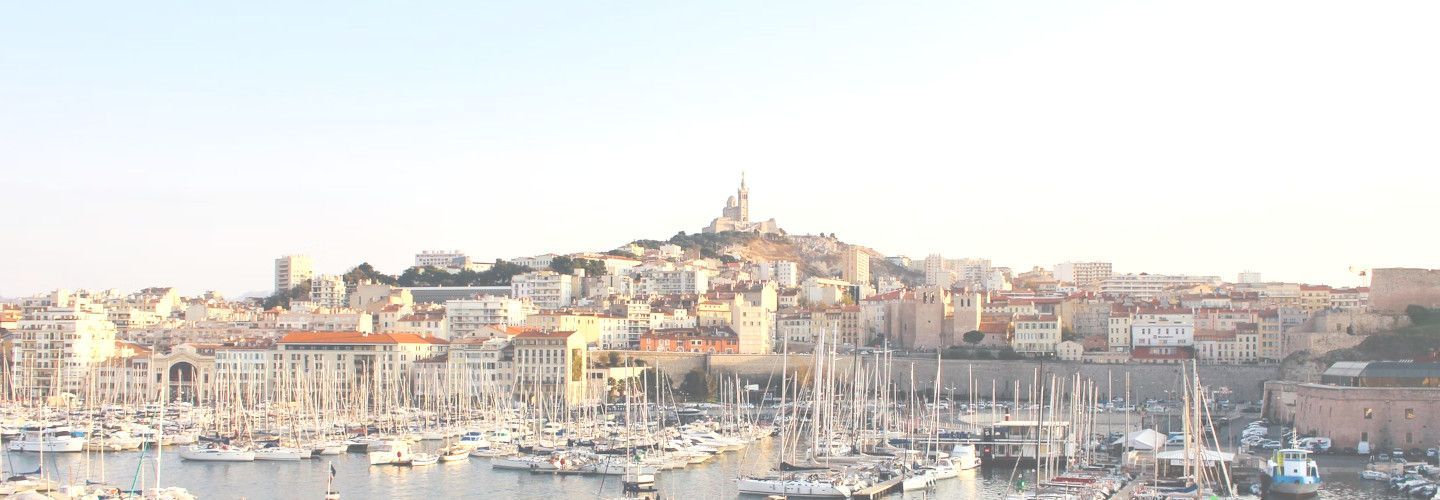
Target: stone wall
[
  {"x": 1246, "y": 382},
  {"x": 1391, "y": 289},
  {"x": 1397, "y": 417},
  {"x": 1358, "y": 322}
]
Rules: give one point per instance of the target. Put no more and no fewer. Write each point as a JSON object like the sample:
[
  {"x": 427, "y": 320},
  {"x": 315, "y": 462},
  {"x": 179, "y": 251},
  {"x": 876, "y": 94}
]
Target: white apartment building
[
  {"x": 1249, "y": 278},
  {"x": 615, "y": 333},
  {"x": 1118, "y": 331},
  {"x": 292, "y": 270},
  {"x": 937, "y": 272},
  {"x": 484, "y": 365},
  {"x": 1168, "y": 328},
  {"x": 57, "y": 346},
  {"x": 450, "y": 260},
  {"x": 538, "y": 262},
  {"x": 464, "y": 318},
  {"x": 782, "y": 272},
  {"x": 546, "y": 289},
  {"x": 242, "y": 372},
  {"x": 1036, "y": 334},
  {"x": 637, "y": 317},
  {"x": 678, "y": 281},
  {"x": 328, "y": 291},
  {"x": 825, "y": 291},
  {"x": 1083, "y": 274},
  {"x": 795, "y": 328},
  {"x": 551, "y": 363},
  {"x": 1149, "y": 285},
  {"x": 325, "y": 322},
  {"x": 343, "y": 360}
]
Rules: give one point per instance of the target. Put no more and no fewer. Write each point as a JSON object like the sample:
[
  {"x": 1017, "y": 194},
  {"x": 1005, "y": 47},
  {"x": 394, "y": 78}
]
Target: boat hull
[{"x": 792, "y": 488}]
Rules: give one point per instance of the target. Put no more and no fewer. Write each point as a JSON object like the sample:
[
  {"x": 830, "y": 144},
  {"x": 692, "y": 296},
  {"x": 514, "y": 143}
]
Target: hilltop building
[{"x": 736, "y": 216}]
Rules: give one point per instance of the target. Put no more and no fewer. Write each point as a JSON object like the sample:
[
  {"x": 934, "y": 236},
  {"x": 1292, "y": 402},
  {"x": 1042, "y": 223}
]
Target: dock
[{"x": 880, "y": 489}]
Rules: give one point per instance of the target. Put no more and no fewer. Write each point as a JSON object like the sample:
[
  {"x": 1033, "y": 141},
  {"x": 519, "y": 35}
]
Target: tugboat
[{"x": 1292, "y": 472}]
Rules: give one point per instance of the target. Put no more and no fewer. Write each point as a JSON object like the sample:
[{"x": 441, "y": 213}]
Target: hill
[{"x": 816, "y": 255}]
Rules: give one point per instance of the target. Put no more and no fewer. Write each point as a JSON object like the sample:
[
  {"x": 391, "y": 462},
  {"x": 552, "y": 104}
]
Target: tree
[
  {"x": 973, "y": 337},
  {"x": 1421, "y": 315},
  {"x": 1068, "y": 334},
  {"x": 696, "y": 385},
  {"x": 563, "y": 265},
  {"x": 282, "y": 299},
  {"x": 613, "y": 358}
]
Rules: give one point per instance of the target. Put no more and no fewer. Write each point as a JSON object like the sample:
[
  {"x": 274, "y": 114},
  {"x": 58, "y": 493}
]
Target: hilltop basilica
[{"x": 736, "y": 216}]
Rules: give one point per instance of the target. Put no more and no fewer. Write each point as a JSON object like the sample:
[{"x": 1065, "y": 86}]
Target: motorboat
[
  {"x": 421, "y": 459},
  {"x": 1292, "y": 472},
  {"x": 49, "y": 439},
  {"x": 392, "y": 452}
]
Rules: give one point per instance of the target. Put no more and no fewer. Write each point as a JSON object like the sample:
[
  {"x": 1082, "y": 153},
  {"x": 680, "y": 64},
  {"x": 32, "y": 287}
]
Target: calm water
[{"x": 356, "y": 479}]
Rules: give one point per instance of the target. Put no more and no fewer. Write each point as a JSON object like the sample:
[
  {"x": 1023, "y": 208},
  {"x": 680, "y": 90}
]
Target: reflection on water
[{"x": 356, "y": 479}]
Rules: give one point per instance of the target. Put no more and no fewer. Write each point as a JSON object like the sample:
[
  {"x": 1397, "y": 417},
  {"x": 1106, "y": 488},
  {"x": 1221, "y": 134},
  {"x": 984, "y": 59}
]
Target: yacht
[
  {"x": 49, "y": 439},
  {"x": 216, "y": 453},
  {"x": 393, "y": 452},
  {"x": 1292, "y": 472},
  {"x": 806, "y": 485}
]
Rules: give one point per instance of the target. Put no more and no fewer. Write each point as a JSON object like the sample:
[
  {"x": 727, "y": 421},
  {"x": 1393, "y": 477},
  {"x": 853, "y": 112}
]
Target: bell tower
[{"x": 743, "y": 199}]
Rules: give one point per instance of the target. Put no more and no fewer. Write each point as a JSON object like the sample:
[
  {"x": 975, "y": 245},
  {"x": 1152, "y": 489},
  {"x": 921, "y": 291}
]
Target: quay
[{"x": 880, "y": 489}]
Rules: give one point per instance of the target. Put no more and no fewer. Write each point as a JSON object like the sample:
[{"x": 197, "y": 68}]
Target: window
[
  {"x": 1369, "y": 413},
  {"x": 1409, "y": 414}
]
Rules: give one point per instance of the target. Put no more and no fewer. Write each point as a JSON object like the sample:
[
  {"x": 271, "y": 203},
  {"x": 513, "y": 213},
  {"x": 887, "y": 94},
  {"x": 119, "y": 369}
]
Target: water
[{"x": 356, "y": 479}]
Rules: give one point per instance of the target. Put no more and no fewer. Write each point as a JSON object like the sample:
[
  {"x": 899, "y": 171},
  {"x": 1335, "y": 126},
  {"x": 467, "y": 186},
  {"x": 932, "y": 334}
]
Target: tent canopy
[{"x": 1144, "y": 439}]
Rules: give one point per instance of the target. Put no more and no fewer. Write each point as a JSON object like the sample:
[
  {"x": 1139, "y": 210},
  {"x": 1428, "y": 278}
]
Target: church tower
[{"x": 743, "y": 198}]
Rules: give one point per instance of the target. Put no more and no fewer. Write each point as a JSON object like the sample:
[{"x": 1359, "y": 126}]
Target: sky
[{"x": 188, "y": 144}]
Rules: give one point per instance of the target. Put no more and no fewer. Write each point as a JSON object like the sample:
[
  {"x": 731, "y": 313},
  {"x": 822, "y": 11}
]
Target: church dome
[{"x": 730, "y": 202}]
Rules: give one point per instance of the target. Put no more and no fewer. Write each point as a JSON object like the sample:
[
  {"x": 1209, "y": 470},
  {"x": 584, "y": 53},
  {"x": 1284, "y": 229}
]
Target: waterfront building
[
  {"x": 340, "y": 359},
  {"x": 551, "y": 364},
  {"x": 59, "y": 343},
  {"x": 1379, "y": 405},
  {"x": 714, "y": 340}
]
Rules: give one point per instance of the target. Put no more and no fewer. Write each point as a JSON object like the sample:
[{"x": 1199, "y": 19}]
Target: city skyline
[{"x": 188, "y": 147}]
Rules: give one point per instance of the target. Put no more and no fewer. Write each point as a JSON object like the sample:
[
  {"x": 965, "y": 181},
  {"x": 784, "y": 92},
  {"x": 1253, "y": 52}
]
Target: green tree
[
  {"x": 973, "y": 337},
  {"x": 1421, "y": 315},
  {"x": 562, "y": 264},
  {"x": 283, "y": 299},
  {"x": 696, "y": 385}
]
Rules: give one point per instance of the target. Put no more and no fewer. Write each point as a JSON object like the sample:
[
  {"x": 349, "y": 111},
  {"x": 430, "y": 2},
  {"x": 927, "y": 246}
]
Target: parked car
[{"x": 1270, "y": 444}]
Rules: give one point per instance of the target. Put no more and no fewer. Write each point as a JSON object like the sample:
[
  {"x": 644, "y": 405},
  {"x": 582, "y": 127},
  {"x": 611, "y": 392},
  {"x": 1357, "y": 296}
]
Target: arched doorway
[{"x": 182, "y": 381}]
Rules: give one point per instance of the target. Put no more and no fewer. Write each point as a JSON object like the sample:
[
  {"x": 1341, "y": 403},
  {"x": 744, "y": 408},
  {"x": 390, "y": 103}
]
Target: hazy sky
[{"x": 190, "y": 143}]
